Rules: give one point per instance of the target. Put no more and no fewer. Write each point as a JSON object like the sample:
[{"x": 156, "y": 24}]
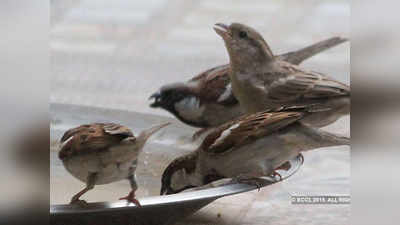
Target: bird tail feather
[{"x": 297, "y": 57}]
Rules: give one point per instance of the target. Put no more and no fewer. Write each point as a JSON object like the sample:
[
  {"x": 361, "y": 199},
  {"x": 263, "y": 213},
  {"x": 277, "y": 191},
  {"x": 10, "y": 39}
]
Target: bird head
[
  {"x": 244, "y": 44},
  {"x": 182, "y": 101},
  {"x": 179, "y": 175},
  {"x": 168, "y": 95}
]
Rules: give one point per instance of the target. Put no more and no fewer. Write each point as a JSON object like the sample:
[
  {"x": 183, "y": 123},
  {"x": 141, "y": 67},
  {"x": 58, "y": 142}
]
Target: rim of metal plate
[{"x": 198, "y": 195}]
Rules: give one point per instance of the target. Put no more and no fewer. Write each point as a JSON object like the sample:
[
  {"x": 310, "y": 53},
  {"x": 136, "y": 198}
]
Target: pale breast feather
[{"x": 190, "y": 108}]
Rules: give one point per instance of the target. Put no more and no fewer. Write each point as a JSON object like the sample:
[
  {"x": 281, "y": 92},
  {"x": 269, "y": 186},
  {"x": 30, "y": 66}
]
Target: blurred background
[
  {"x": 96, "y": 53},
  {"x": 115, "y": 54}
]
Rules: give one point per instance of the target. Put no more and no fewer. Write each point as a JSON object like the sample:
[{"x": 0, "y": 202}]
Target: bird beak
[
  {"x": 157, "y": 98},
  {"x": 222, "y": 30}
]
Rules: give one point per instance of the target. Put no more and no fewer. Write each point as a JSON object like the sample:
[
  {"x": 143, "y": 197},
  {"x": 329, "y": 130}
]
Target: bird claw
[
  {"x": 248, "y": 181},
  {"x": 79, "y": 202},
  {"x": 131, "y": 199},
  {"x": 276, "y": 174}
]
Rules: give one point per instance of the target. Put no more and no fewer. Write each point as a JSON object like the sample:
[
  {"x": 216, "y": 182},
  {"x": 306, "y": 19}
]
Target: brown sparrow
[
  {"x": 263, "y": 81},
  {"x": 102, "y": 153},
  {"x": 207, "y": 100},
  {"x": 249, "y": 147}
]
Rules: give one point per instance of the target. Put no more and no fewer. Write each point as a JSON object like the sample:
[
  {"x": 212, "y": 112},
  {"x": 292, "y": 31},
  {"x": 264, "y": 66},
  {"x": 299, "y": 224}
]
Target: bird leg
[
  {"x": 131, "y": 196},
  {"x": 91, "y": 181}
]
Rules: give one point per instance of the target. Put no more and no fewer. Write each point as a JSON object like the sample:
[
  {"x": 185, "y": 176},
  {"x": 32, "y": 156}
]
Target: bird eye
[{"x": 242, "y": 34}]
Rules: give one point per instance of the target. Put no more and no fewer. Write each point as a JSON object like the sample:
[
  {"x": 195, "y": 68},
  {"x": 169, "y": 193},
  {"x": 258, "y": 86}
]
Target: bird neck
[{"x": 250, "y": 63}]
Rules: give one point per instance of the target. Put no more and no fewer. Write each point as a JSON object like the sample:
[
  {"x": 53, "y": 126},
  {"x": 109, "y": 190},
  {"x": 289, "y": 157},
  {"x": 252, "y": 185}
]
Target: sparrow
[
  {"x": 206, "y": 100},
  {"x": 260, "y": 80},
  {"x": 249, "y": 147},
  {"x": 102, "y": 153}
]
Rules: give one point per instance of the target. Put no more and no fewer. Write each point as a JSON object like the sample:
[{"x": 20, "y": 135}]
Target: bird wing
[
  {"x": 247, "y": 129},
  {"x": 301, "y": 86},
  {"x": 210, "y": 73},
  {"x": 116, "y": 129},
  {"x": 214, "y": 86},
  {"x": 91, "y": 138}
]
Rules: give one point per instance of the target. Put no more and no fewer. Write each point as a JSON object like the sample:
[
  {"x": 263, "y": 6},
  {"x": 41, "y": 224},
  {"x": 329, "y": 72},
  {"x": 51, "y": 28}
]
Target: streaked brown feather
[
  {"x": 303, "y": 85},
  {"x": 211, "y": 73},
  {"x": 249, "y": 128},
  {"x": 91, "y": 138},
  {"x": 212, "y": 84},
  {"x": 212, "y": 88}
]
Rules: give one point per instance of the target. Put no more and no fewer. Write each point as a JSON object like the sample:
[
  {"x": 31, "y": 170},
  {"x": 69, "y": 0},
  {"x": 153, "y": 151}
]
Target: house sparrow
[
  {"x": 102, "y": 153},
  {"x": 207, "y": 100},
  {"x": 262, "y": 81},
  {"x": 249, "y": 147}
]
